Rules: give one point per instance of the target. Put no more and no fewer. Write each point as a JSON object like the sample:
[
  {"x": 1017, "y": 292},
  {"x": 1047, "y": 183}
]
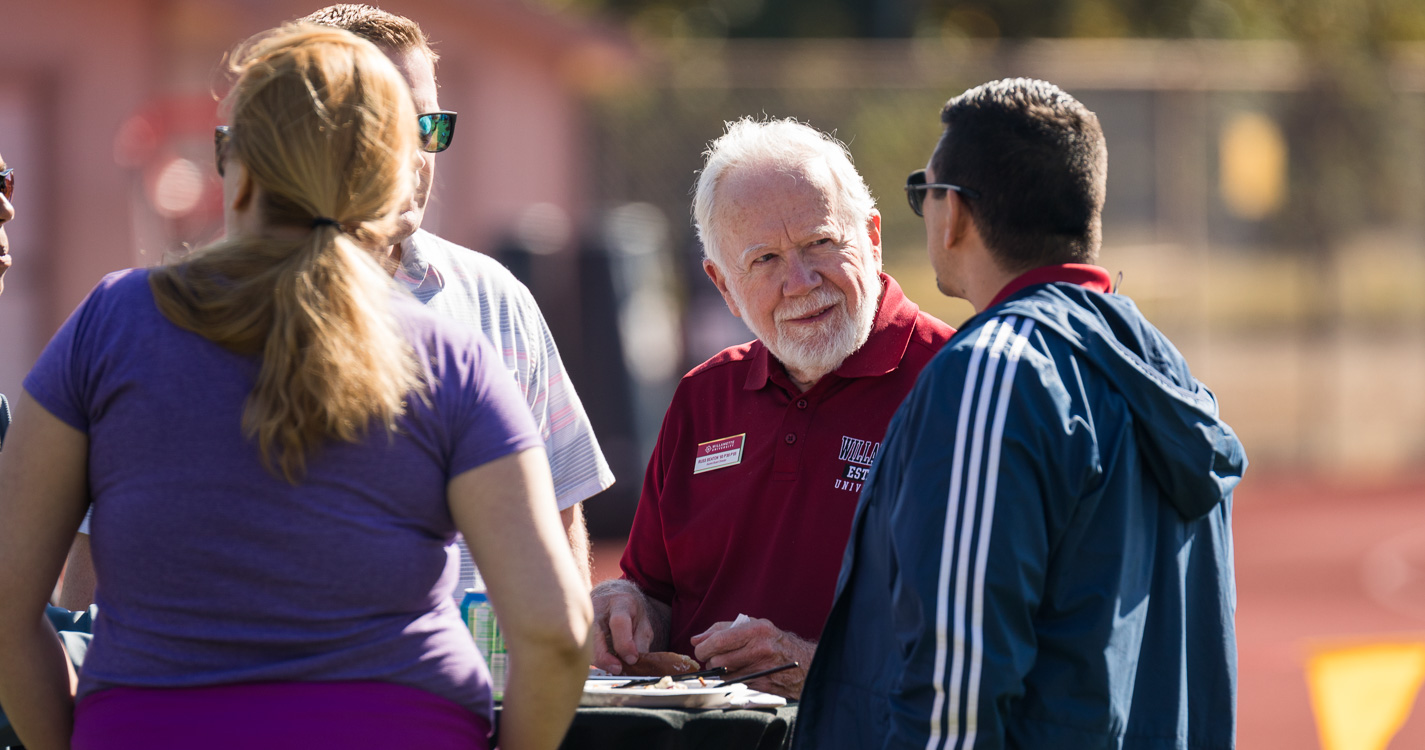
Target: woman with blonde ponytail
[{"x": 278, "y": 449}]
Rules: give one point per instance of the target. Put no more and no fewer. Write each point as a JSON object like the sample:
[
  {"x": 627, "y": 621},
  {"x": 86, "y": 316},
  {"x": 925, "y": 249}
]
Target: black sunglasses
[
  {"x": 437, "y": 130},
  {"x": 915, "y": 187},
  {"x": 8, "y": 175}
]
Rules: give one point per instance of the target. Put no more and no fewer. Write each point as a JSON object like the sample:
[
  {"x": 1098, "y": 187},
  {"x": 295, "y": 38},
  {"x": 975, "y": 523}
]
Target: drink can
[{"x": 479, "y": 616}]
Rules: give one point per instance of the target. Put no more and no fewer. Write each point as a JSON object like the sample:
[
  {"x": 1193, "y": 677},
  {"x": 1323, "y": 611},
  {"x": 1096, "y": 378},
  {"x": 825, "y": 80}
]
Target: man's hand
[
  {"x": 627, "y": 624},
  {"x": 752, "y": 646}
]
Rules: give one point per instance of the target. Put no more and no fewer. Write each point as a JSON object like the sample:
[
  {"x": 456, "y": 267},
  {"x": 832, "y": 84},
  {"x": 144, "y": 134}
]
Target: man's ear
[
  {"x": 715, "y": 273},
  {"x": 873, "y": 230},
  {"x": 960, "y": 226}
]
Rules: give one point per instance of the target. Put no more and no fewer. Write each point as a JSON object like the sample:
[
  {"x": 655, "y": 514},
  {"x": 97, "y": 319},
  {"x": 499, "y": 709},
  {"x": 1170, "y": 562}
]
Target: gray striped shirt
[{"x": 475, "y": 289}]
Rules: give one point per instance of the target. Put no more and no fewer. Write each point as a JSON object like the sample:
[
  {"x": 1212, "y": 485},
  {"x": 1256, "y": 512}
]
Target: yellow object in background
[
  {"x": 1252, "y": 166},
  {"x": 1362, "y": 694}
]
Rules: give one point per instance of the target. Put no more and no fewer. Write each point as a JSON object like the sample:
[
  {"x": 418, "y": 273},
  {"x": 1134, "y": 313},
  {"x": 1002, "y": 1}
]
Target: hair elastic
[{"x": 324, "y": 221}]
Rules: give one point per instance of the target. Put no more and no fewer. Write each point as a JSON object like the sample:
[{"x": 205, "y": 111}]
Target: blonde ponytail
[{"x": 325, "y": 127}]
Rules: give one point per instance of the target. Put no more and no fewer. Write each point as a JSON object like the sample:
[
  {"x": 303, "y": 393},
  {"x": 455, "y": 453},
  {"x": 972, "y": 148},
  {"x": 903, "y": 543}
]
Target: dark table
[{"x": 679, "y": 728}]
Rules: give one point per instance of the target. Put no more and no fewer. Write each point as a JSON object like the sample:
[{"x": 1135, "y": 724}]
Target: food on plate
[
  {"x": 667, "y": 683},
  {"x": 661, "y": 664}
]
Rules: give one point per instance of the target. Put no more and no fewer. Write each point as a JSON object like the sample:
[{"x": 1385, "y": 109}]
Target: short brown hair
[
  {"x": 1037, "y": 158},
  {"x": 377, "y": 26}
]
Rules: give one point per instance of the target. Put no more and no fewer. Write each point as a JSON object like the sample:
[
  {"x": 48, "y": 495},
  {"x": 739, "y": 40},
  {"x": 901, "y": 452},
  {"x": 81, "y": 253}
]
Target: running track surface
[{"x": 1318, "y": 560}]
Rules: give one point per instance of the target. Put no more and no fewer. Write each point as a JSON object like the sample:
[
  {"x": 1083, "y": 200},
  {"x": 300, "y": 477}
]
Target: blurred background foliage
[
  {"x": 1339, "y": 132},
  {"x": 1345, "y": 44},
  {"x": 1314, "y": 21}
]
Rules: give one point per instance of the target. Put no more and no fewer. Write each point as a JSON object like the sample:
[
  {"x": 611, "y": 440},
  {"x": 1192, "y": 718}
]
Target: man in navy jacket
[{"x": 1042, "y": 555}]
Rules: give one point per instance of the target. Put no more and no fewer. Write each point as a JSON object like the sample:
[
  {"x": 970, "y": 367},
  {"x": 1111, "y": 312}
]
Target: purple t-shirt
[{"x": 213, "y": 571}]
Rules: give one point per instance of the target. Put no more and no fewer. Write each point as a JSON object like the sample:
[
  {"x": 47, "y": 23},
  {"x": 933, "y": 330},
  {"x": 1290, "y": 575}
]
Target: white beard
[{"x": 812, "y": 352}]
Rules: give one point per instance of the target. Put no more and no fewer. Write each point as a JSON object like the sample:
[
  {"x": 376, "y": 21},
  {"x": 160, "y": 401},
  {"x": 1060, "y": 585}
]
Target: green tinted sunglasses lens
[{"x": 437, "y": 130}]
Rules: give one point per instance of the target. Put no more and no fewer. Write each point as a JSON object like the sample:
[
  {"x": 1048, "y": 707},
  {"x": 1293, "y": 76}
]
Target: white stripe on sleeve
[
  {"x": 967, "y": 524},
  {"x": 965, "y": 514},
  {"x": 977, "y": 631},
  {"x": 942, "y": 614}
]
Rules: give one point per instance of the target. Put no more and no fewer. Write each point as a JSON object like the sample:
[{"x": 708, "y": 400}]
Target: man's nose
[{"x": 802, "y": 277}]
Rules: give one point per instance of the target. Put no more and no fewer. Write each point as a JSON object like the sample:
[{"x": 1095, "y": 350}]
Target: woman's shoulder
[
  {"x": 121, "y": 287},
  {"x": 125, "y": 280},
  {"x": 115, "y": 299}
]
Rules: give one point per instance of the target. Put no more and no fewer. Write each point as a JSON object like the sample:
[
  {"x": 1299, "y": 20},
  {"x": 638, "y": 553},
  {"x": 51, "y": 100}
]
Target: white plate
[{"x": 598, "y": 693}]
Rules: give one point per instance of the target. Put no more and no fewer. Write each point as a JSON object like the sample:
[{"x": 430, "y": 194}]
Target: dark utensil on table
[
  {"x": 714, "y": 672},
  {"x": 763, "y": 673}
]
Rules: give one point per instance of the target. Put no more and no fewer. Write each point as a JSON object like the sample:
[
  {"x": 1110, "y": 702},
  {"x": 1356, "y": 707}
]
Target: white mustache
[{"x": 823, "y": 299}]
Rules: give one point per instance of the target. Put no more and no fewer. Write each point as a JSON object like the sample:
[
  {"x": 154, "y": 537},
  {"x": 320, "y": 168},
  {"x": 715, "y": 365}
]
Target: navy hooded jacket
[{"x": 1042, "y": 554}]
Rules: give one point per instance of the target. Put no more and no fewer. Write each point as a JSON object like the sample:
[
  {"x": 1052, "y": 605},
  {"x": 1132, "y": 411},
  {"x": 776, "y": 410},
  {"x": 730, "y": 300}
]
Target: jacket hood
[{"x": 1195, "y": 457}]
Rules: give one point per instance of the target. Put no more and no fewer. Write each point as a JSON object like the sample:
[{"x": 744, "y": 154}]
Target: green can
[{"x": 479, "y": 616}]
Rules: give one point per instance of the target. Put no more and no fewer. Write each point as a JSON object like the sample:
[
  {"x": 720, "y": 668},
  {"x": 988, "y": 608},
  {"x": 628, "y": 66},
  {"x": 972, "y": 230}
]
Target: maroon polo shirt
[{"x": 748, "y": 498}]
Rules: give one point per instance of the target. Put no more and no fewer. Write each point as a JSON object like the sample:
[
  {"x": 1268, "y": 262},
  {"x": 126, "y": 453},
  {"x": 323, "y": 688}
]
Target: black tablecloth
[{"x": 679, "y": 729}]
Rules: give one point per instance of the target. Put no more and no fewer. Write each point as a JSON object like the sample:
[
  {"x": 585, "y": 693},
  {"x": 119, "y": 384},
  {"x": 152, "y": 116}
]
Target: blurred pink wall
[{"x": 75, "y": 72}]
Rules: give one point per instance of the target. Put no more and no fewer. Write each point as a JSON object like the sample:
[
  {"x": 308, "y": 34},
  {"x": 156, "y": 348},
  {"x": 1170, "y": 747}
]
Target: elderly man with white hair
[{"x": 748, "y": 498}]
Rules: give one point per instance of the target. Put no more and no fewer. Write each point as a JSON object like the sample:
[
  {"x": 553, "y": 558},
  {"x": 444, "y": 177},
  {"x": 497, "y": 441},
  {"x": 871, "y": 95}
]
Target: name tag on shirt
[{"x": 716, "y": 454}]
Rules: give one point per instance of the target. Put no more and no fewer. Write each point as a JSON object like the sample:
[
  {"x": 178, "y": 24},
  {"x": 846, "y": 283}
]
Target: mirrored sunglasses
[
  {"x": 436, "y": 129},
  {"x": 915, "y": 187},
  {"x": 8, "y": 186}
]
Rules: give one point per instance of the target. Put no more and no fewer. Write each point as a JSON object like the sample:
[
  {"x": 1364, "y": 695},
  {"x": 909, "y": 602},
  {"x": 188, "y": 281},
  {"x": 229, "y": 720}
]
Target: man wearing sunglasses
[
  {"x": 749, "y": 495},
  {"x": 460, "y": 283},
  {"x": 1042, "y": 556}
]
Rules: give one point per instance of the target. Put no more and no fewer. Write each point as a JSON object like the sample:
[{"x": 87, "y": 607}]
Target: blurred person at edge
[
  {"x": 750, "y": 491},
  {"x": 280, "y": 447},
  {"x": 459, "y": 283},
  {"x": 1076, "y": 588},
  {"x": 7, "y": 212}
]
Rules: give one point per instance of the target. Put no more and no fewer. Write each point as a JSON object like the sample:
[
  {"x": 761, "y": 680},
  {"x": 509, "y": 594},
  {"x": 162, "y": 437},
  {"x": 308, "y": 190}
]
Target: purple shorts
[{"x": 275, "y": 716}]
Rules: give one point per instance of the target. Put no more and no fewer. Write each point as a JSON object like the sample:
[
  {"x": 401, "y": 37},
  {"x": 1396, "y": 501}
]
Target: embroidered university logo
[
  {"x": 858, "y": 451},
  {"x": 716, "y": 454},
  {"x": 858, "y": 454}
]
